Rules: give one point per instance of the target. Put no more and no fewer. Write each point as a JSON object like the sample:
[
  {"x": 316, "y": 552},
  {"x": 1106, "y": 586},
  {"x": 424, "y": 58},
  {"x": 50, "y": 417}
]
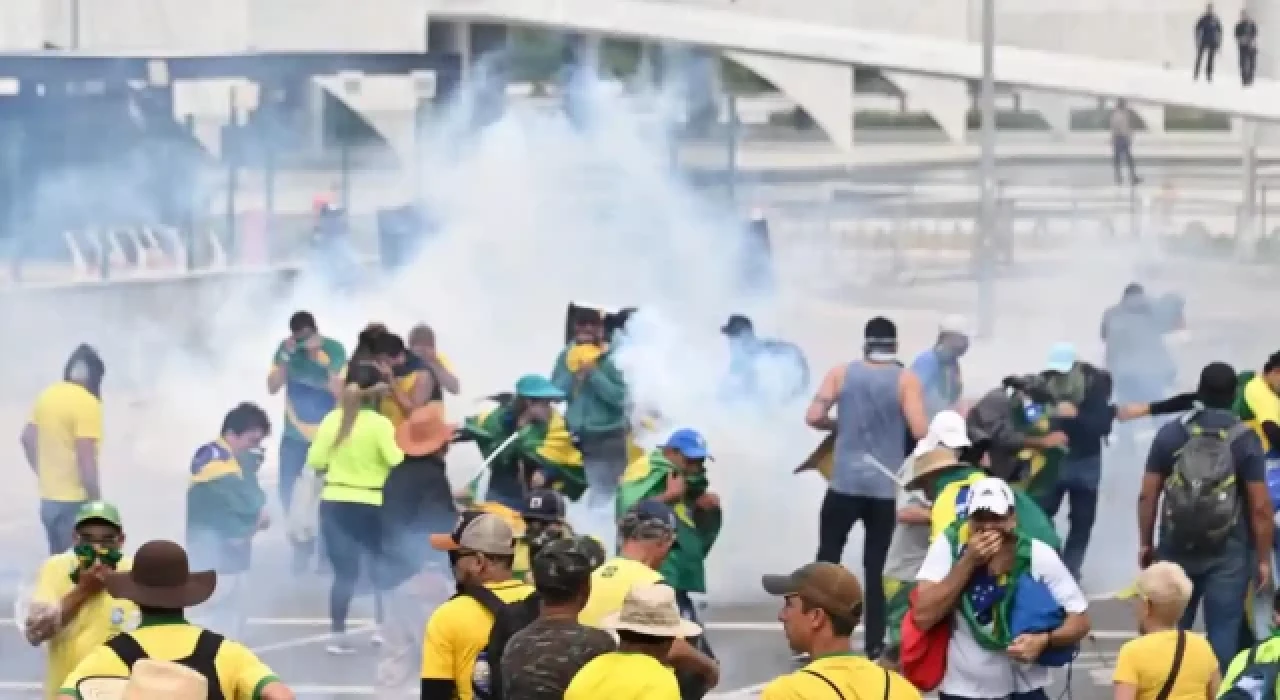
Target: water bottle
[{"x": 480, "y": 675}]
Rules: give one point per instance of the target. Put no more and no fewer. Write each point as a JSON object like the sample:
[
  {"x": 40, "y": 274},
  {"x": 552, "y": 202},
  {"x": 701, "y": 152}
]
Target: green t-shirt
[{"x": 308, "y": 397}]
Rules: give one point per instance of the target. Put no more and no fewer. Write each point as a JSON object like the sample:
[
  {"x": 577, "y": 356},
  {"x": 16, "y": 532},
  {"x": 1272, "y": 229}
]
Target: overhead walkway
[{"x": 929, "y": 59}]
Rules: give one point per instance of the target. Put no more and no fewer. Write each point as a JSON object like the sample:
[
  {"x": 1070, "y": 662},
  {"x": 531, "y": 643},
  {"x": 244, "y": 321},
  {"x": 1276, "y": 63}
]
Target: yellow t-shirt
[
  {"x": 241, "y": 674},
  {"x": 64, "y": 413},
  {"x": 355, "y": 471},
  {"x": 458, "y": 632},
  {"x": 609, "y": 585},
  {"x": 99, "y": 619},
  {"x": 1145, "y": 662},
  {"x": 621, "y": 675},
  {"x": 1265, "y": 406},
  {"x": 854, "y": 675}
]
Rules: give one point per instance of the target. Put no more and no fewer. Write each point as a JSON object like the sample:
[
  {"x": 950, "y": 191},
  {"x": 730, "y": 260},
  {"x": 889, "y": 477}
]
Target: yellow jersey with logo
[
  {"x": 240, "y": 673},
  {"x": 99, "y": 619},
  {"x": 458, "y": 632},
  {"x": 854, "y": 675},
  {"x": 621, "y": 675},
  {"x": 64, "y": 413},
  {"x": 609, "y": 585}
]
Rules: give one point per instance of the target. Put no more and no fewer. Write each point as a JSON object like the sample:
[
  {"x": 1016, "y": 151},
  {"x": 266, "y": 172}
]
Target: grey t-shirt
[{"x": 909, "y": 544}]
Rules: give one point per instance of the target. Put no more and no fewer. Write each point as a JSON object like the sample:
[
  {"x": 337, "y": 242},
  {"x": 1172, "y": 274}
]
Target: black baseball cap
[
  {"x": 1217, "y": 388},
  {"x": 737, "y": 325},
  {"x": 544, "y": 504}
]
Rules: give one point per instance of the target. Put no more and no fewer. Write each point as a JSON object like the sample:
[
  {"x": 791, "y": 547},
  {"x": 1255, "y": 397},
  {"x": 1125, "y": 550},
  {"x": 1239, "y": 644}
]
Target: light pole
[
  {"x": 74, "y": 22},
  {"x": 986, "y": 230}
]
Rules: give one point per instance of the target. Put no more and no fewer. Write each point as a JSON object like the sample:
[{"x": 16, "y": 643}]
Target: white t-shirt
[{"x": 975, "y": 672}]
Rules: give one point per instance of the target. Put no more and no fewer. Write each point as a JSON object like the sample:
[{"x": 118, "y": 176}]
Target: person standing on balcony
[
  {"x": 1247, "y": 43},
  {"x": 1208, "y": 41},
  {"x": 1122, "y": 142}
]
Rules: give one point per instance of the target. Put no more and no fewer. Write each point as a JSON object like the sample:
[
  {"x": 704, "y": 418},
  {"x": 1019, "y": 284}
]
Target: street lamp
[{"x": 986, "y": 230}]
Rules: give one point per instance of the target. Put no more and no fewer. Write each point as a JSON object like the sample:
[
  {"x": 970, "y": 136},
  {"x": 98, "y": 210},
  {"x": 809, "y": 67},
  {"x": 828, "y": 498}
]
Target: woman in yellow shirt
[
  {"x": 1145, "y": 666},
  {"x": 354, "y": 450}
]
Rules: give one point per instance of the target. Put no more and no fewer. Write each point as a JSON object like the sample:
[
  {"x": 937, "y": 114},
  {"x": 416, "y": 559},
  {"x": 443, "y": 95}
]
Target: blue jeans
[
  {"x": 1079, "y": 482},
  {"x": 1223, "y": 584}
]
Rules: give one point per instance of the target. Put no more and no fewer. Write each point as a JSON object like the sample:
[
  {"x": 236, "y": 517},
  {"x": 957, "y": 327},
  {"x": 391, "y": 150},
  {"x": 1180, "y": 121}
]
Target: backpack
[
  {"x": 1256, "y": 681},
  {"x": 508, "y": 618},
  {"x": 203, "y": 658},
  {"x": 1201, "y": 495}
]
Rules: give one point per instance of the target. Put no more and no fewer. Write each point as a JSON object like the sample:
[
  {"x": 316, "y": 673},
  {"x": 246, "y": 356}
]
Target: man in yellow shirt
[
  {"x": 60, "y": 442},
  {"x": 71, "y": 609},
  {"x": 646, "y": 534},
  {"x": 821, "y": 606},
  {"x": 647, "y": 626},
  {"x": 1164, "y": 656},
  {"x": 162, "y": 585},
  {"x": 465, "y": 637}
]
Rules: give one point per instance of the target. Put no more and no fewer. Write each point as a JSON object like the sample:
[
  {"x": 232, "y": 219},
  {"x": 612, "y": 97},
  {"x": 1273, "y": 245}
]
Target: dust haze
[{"x": 535, "y": 213}]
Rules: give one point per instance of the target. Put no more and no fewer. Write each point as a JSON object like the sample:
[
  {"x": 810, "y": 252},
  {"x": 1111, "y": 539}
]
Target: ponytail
[{"x": 352, "y": 401}]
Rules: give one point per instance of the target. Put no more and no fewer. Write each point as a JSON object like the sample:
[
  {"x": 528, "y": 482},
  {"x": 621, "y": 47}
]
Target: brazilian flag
[
  {"x": 697, "y": 529},
  {"x": 549, "y": 448},
  {"x": 1037, "y": 470}
]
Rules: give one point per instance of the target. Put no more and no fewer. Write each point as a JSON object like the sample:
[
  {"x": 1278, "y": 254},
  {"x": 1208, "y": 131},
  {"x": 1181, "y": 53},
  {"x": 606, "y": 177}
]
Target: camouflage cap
[{"x": 566, "y": 564}]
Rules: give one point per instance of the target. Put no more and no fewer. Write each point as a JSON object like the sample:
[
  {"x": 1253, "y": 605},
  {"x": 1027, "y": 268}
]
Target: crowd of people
[{"x": 487, "y": 590}]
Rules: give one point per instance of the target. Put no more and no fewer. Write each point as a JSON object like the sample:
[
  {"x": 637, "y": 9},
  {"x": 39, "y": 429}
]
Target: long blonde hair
[{"x": 354, "y": 399}]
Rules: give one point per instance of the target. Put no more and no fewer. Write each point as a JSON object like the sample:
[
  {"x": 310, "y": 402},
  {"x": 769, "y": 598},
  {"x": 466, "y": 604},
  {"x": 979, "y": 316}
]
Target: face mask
[
  {"x": 88, "y": 554},
  {"x": 1067, "y": 387},
  {"x": 251, "y": 459}
]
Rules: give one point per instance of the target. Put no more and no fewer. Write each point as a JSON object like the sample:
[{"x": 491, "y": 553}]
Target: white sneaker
[{"x": 340, "y": 645}]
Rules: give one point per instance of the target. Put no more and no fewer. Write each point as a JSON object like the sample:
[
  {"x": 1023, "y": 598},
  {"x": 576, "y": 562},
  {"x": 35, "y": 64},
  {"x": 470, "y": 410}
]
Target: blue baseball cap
[
  {"x": 1062, "y": 357},
  {"x": 689, "y": 443},
  {"x": 534, "y": 386}
]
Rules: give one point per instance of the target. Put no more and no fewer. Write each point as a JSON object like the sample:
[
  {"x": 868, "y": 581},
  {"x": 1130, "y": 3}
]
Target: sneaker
[{"x": 340, "y": 645}]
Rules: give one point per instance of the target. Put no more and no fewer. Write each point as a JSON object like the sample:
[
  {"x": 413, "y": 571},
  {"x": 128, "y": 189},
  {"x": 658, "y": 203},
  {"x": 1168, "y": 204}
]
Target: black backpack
[
  {"x": 508, "y": 618},
  {"x": 203, "y": 658},
  {"x": 1202, "y": 501},
  {"x": 1257, "y": 680}
]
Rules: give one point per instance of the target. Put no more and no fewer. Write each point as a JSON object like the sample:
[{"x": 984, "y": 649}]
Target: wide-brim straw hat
[
  {"x": 424, "y": 431},
  {"x": 149, "y": 680},
  {"x": 651, "y": 609},
  {"x": 932, "y": 462}
]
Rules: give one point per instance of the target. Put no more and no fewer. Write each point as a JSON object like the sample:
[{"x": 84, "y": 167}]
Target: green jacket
[
  {"x": 222, "y": 497},
  {"x": 599, "y": 403},
  {"x": 697, "y": 529}
]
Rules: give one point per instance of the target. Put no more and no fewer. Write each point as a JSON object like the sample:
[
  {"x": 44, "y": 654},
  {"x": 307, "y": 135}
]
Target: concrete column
[{"x": 1267, "y": 14}]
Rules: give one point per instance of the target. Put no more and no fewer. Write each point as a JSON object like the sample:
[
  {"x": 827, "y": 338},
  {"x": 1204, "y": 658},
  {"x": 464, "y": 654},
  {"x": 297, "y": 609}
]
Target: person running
[
  {"x": 422, "y": 343},
  {"x": 938, "y": 368},
  {"x": 597, "y": 403},
  {"x": 355, "y": 450},
  {"x": 541, "y": 659},
  {"x": 226, "y": 506},
  {"x": 71, "y": 609},
  {"x": 162, "y": 585},
  {"x": 1165, "y": 656},
  {"x": 821, "y": 607},
  {"x": 307, "y": 365},
  {"x": 1209, "y": 471},
  {"x": 1133, "y": 333},
  {"x": 61, "y": 442},
  {"x": 646, "y": 534},
  {"x": 879, "y": 406},
  {"x": 647, "y": 625},
  {"x": 966, "y": 579},
  {"x": 457, "y": 659}
]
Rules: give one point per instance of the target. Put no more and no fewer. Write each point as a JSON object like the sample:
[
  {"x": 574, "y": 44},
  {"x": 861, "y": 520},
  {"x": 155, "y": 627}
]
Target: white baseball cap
[
  {"x": 947, "y": 429},
  {"x": 991, "y": 495},
  {"x": 954, "y": 323}
]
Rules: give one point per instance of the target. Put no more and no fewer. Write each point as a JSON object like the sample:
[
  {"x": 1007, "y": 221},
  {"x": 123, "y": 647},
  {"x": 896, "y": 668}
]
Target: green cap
[
  {"x": 98, "y": 510},
  {"x": 533, "y": 386}
]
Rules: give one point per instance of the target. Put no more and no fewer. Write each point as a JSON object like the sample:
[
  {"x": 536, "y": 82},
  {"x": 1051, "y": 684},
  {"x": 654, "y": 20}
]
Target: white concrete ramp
[{"x": 742, "y": 31}]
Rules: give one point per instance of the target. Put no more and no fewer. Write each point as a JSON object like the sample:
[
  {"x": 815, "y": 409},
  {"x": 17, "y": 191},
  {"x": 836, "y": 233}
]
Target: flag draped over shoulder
[
  {"x": 549, "y": 448},
  {"x": 986, "y": 603},
  {"x": 1037, "y": 471},
  {"x": 951, "y": 507}
]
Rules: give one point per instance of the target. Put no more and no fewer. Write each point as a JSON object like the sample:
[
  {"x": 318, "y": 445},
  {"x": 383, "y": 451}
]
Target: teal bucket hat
[{"x": 533, "y": 386}]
